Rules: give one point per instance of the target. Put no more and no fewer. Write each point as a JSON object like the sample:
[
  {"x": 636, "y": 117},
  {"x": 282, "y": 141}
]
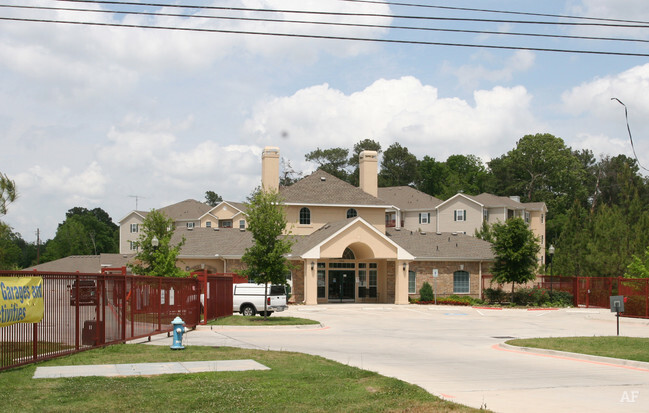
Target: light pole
[
  {"x": 155, "y": 242},
  {"x": 551, "y": 252}
]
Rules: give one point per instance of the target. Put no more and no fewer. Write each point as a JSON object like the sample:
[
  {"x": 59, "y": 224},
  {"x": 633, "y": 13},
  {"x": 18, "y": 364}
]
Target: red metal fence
[
  {"x": 593, "y": 291},
  {"x": 83, "y": 311}
]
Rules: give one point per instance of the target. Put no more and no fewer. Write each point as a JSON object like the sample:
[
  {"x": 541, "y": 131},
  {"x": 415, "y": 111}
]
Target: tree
[
  {"x": 8, "y": 193},
  {"x": 431, "y": 176},
  {"x": 212, "y": 198},
  {"x": 515, "y": 248},
  {"x": 639, "y": 267},
  {"x": 333, "y": 161},
  {"x": 10, "y": 253},
  {"x": 83, "y": 232},
  {"x": 364, "y": 145},
  {"x": 288, "y": 176},
  {"x": 398, "y": 167},
  {"x": 157, "y": 261},
  {"x": 266, "y": 259},
  {"x": 541, "y": 169}
]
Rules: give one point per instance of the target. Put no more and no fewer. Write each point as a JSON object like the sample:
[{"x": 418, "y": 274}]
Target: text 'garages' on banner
[{"x": 21, "y": 300}]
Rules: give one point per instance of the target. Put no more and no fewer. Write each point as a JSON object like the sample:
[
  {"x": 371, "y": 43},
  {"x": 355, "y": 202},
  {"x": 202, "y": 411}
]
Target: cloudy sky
[{"x": 93, "y": 115}]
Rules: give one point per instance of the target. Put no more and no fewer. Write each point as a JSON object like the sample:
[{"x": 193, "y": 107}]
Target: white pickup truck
[{"x": 248, "y": 299}]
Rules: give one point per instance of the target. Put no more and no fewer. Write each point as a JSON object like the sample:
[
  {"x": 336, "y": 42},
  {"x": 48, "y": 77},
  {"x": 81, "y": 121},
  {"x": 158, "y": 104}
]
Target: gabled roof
[
  {"x": 427, "y": 246},
  {"x": 322, "y": 188},
  {"x": 207, "y": 242},
  {"x": 186, "y": 210},
  {"x": 239, "y": 206},
  {"x": 141, "y": 214},
  {"x": 494, "y": 201},
  {"x": 407, "y": 198}
]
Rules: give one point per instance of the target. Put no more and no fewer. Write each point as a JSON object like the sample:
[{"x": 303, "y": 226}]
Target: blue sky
[{"x": 90, "y": 116}]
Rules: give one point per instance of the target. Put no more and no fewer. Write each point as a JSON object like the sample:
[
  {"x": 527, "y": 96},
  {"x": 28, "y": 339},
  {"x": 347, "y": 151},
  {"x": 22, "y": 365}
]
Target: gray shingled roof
[
  {"x": 407, "y": 198},
  {"x": 84, "y": 263},
  {"x": 188, "y": 209},
  {"x": 207, "y": 242},
  {"x": 442, "y": 247},
  {"x": 322, "y": 188}
]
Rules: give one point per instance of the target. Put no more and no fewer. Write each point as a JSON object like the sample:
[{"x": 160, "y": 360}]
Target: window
[
  {"x": 424, "y": 217},
  {"x": 208, "y": 224},
  {"x": 460, "y": 282},
  {"x": 305, "y": 216},
  {"x": 132, "y": 245},
  {"x": 321, "y": 283},
  {"x": 485, "y": 214},
  {"x": 348, "y": 254},
  {"x": 373, "y": 293},
  {"x": 351, "y": 213},
  {"x": 134, "y": 227},
  {"x": 459, "y": 215},
  {"x": 541, "y": 218},
  {"x": 527, "y": 217},
  {"x": 190, "y": 225},
  {"x": 412, "y": 282},
  {"x": 225, "y": 223},
  {"x": 242, "y": 224}
]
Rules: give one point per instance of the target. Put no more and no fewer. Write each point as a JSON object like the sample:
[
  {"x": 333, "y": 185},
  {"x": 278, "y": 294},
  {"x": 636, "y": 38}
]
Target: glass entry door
[{"x": 341, "y": 285}]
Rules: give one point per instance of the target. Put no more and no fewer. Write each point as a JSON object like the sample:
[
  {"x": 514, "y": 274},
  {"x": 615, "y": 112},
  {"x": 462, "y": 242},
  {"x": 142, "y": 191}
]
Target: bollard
[{"x": 179, "y": 329}]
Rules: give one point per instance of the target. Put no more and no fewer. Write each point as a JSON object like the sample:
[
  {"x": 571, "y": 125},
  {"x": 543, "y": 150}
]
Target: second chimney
[{"x": 368, "y": 172}]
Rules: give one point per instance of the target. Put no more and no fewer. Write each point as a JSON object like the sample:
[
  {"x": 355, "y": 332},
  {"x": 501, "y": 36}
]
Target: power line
[
  {"x": 361, "y": 25},
  {"x": 643, "y": 25},
  {"x": 626, "y": 115},
  {"x": 518, "y": 13},
  {"x": 313, "y": 36}
]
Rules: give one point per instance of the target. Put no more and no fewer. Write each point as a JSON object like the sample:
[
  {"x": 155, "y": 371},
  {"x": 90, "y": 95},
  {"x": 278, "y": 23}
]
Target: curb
[
  {"x": 294, "y": 327},
  {"x": 578, "y": 356}
]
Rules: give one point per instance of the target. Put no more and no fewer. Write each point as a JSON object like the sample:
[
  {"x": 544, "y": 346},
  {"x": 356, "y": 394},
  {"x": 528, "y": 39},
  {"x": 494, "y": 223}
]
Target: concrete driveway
[{"x": 455, "y": 353}]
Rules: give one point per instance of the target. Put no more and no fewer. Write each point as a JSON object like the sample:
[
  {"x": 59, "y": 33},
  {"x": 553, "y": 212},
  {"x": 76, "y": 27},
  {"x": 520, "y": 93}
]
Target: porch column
[
  {"x": 401, "y": 282},
  {"x": 310, "y": 282}
]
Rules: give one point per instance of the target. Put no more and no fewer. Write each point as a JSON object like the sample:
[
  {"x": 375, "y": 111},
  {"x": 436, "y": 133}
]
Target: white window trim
[
  {"x": 190, "y": 225},
  {"x": 458, "y": 212}
]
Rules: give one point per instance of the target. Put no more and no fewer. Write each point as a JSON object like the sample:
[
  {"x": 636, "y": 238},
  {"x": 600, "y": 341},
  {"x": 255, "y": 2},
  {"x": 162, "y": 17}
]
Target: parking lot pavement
[{"x": 455, "y": 353}]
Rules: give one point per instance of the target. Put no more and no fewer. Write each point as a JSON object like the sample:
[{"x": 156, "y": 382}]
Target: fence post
[
  {"x": 35, "y": 340},
  {"x": 76, "y": 312}
]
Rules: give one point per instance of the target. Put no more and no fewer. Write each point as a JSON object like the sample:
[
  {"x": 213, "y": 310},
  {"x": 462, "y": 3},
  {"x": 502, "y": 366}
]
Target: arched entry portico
[{"x": 356, "y": 263}]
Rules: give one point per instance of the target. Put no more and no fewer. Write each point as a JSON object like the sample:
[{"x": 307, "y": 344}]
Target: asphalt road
[{"x": 455, "y": 353}]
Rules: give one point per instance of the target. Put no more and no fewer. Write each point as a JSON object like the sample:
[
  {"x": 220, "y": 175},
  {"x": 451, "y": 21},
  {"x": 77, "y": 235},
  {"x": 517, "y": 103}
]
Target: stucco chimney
[
  {"x": 270, "y": 169},
  {"x": 368, "y": 172}
]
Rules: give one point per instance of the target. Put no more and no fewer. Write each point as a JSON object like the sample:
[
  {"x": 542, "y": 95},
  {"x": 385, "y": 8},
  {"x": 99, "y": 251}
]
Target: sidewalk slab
[{"x": 146, "y": 369}]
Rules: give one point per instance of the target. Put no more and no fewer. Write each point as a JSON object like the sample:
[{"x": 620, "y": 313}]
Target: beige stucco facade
[
  {"x": 129, "y": 232},
  {"x": 447, "y": 216},
  {"x": 321, "y": 215}
]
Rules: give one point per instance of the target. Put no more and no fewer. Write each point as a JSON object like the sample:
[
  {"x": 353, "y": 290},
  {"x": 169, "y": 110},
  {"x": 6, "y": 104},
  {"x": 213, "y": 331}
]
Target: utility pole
[{"x": 38, "y": 246}]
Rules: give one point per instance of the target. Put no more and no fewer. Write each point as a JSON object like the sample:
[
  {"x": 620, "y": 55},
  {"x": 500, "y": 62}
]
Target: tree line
[{"x": 598, "y": 208}]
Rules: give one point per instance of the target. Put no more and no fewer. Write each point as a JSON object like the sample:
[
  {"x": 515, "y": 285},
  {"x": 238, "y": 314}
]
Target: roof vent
[
  {"x": 423, "y": 232},
  {"x": 216, "y": 228},
  {"x": 438, "y": 233},
  {"x": 323, "y": 178},
  {"x": 242, "y": 230},
  {"x": 454, "y": 233},
  {"x": 189, "y": 228}
]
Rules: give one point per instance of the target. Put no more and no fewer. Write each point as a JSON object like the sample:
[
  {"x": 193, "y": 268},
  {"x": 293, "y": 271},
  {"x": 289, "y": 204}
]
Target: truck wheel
[{"x": 248, "y": 310}]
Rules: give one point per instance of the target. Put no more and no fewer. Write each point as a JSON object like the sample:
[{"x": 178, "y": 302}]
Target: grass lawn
[
  {"x": 238, "y": 320},
  {"x": 629, "y": 348},
  {"x": 296, "y": 382}
]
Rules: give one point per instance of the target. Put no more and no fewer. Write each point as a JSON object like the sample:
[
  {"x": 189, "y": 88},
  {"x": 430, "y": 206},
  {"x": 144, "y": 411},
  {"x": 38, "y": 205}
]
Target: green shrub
[
  {"x": 495, "y": 295},
  {"x": 540, "y": 297},
  {"x": 426, "y": 293}
]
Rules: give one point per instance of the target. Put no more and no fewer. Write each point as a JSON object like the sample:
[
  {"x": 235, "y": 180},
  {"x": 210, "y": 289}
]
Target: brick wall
[{"x": 444, "y": 282}]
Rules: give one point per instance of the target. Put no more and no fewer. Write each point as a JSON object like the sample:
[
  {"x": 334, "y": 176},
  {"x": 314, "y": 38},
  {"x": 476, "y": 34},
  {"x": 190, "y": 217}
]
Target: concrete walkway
[{"x": 147, "y": 369}]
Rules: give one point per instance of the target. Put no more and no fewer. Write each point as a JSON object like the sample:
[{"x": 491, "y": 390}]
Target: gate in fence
[{"x": 83, "y": 311}]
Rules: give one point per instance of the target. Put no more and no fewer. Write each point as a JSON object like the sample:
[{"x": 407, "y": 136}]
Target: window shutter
[
  {"x": 420, "y": 218},
  {"x": 428, "y": 217},
  {"x": 465, "y": 214},
  {"x": 455, "y": 215}
]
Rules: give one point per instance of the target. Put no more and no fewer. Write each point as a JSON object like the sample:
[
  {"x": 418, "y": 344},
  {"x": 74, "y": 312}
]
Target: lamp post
[
  {"x": 155, "y": 242},
  {"x": 551, "y": 252}
]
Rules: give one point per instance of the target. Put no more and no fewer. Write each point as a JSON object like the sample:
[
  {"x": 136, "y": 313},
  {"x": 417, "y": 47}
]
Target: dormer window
[
  {"x": 190, "y": 225},
  {"x": 305, "y": 216},
  {"x": 351, "y": 213}
]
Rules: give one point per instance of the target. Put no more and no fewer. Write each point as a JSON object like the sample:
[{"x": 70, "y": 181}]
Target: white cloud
[
  {"x": 637, "y": 10},
  {"x": 469, "y": 76},
  {"x": 602, "y": 121},
  {"x": 400, "y": 110}
]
